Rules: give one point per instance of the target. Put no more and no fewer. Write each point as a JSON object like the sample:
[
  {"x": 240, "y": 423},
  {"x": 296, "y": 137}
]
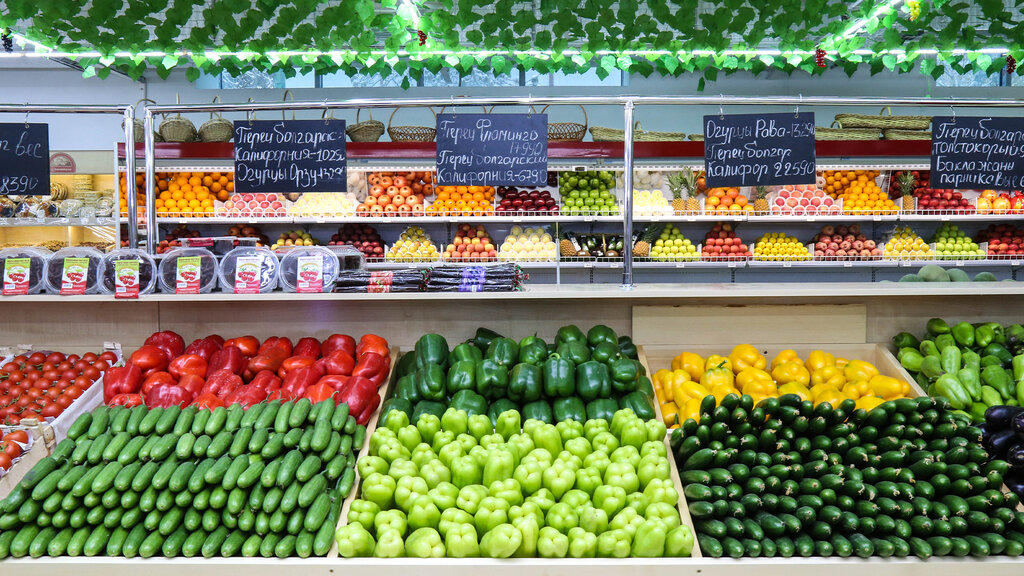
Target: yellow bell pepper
[
  {"x": 659, "y": 391},
  {"x": 794, "y": 388},
  {"x": 826, "y": 374},
  {"x": 692, "y": 363},
  {"x": 718, "y": 375},
  {"x": 721, "y": 391},
  {"x": 819, "y": 389},
  {"x": 659, "y": 376},
  {"x": 886, "y": 387},
  {"x": 868, "y": 402},
  {"x": 669, "y": 413},
  {"x": 687, "y": 390},
  {"x": 831, "y": 396},
  {"x": 860, "y": 370},
  {"x": 850, "y": 390},
  {"x": 784, "y": 357},
  {"x": 862, "y": 387},
  {"x": 746, "y": 356},
  {"x": 755, "y": 381},
  {"x": 842, "y": 362},
  {"x": 717, "y": 361},
  {"x": 758, "y": 397},
  {"x": 819, "y": 359},
  {"x": 691, "y": 411},
  {"x": 791, "y": 372}
]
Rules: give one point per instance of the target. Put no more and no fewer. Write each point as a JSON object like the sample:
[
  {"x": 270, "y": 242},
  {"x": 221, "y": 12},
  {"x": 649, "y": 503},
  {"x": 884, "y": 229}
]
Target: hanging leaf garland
[{"x": 668, "y": 37}]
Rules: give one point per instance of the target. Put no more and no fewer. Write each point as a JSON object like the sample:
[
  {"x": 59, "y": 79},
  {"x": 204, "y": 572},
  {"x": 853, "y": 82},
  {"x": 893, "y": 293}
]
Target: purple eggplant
[
  {"x": 1015, "y": 482},
  {"x": 1000, "y": 442},
  {"x": 1017, "y": 425},
  {"x": 1015, "y": 456},
  {"x": 1000, "y": 416}
]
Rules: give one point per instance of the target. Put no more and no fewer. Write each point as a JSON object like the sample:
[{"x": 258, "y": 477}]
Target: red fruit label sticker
[
  {"x": 74, "y": 276},
  {"x": 187, "y": 275},
  {"x": 309, "y": 275},
  {"x": 16, "y": 276},
  {"x": 247, "y": 274},
  {"x": 380, "y": 282},
  {"x": 126, "y": 279}
]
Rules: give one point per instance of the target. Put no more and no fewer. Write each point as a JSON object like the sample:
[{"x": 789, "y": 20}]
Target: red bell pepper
[
  {"x": 336, "y": 381},
  {"x": 156, "y": 379},
  {"x": 230, "y": 358},
  {"x": 298, "y": 380},
  {"x": 204, "y": 348},
  {"x": 372, "y": 343},
  {"x": 373, "y": 367},
  {"x": 280, "y": 394},
  {"x": 319, "y": 392},
  {"x": 276, "y": 343},
  {"x": 307, "y": 347},
  {"x": 167, "y": 395},
  {"x": 187, "y": 364},
  {"x": 249, "y": 345},
  {"x": 266, "y": 379},
  {"x": 126, "y": 400},
  {"x": 170, "y": 342},
  {"x": 121, "y": 380},
  {"x": 148, "y": 357},
  {"x": 256, "y": 391},
  {"x": 361, "y": 396},
  {"x": 192, "y": 383},
  {"x": 336, "y": 342},
  {"x": 216, "y": 338},
  {"x": 207, "y": 402},
  {"x": 338, "y": 362},
  {"x": 221, "y": 383},
  {"x": 293, "y": 362},
  {"x": 272, "y": 360}
]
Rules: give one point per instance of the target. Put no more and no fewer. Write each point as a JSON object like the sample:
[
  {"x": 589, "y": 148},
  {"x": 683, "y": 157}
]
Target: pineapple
[
  {"x": 685, "y": 181},
  {"x": 642, "y": 248},
  {"x": 906, "y": 183},
  {"x": 569, "y": 247},
  {"x": 761, "y": 200}
]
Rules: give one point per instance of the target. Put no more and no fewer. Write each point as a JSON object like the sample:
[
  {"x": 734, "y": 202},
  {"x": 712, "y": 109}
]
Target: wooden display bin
[{"x": 28, "y": 459}]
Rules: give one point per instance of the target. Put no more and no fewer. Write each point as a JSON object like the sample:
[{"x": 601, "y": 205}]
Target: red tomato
[
  {"x": 34, "y": 393},
  {"x": 20, "y": 359},
  {"x": 83, "y": 382},
  {"x": 74, "y": 358},
  {"x": 36, "y": 358},
  {"x": 51, "y": 410},
  {"x": 69, "y": 374},
  {"x": 92, "y": 373},
  {"x": 64, "y": 400},
  {"x": 63, "y": 383},
  {"x": 51, "y": 375},
  {"x": 53, "y": 392},
  {"x": 18, "y": 436},
  {"x": 48, "y": 366},
  {"x": 109, "y": 357},
  {"x": 56, "y": 357},
  {"x": 65, "y": 365},
  {"x": 90, "y": 357},
  {"x": 16, "y": 377},
  {"x": 33, "y": 375},
  {"x": 101, "y": 365},
  {"x": 81, "y": 365},
  {"x": 16, "y": 391},
  {"x": 23, "y": 401},
  {"x": 73, "y": 391},
  {"x": 10, "y": 448},
  {"x": 5, "y": 462},
  {"x": 11, "y": 367}
]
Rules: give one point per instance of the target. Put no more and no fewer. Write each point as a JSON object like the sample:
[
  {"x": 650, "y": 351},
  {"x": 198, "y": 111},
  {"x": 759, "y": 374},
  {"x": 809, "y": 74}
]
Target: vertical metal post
[
  {"x": 627, "y": 200},
  {"x": 129, "y": 177},
  {"x": 151, "y": 232}
]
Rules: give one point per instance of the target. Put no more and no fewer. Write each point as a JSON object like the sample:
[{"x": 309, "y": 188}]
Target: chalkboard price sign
[
  {"x": 977, "y": 152},
  {"x": 759, "y": 149},
  {"x": 24, "y": 159},
  {"x": 290, "y": 156},
  {"x": 492, "y": 149}
]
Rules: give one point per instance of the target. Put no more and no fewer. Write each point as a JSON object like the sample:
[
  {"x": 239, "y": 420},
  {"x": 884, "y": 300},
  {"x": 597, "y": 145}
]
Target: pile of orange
[
  {"x": 140, "y": 194},
  {"x": 726, "y": 201},
  {"x": 191, "y": 194},
  {"x": 837, "y": 181},
  {"x": 462, "y": 201},
  {"x": 859, "y": 192}
]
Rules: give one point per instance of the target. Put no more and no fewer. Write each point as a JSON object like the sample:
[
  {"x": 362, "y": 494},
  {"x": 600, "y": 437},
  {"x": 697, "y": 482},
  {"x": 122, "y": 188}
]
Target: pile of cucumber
[
  {"x": 787, "y": 478},
  {"x": 267, "y": 481}
]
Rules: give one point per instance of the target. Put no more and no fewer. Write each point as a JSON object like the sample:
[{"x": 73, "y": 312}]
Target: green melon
[
  {"x": 933, "y": 273},
  {"x": 985, "y": 277},
  {"x": 958, "y": 275},
  {"x": 911, "y": 278}
]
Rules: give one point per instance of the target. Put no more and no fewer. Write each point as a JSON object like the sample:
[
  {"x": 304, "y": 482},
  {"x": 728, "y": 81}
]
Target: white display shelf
[
  {"x": 61, "y": 222},
  {"x": 352, "y": 219},
  {"x": 823, "y": 264}
]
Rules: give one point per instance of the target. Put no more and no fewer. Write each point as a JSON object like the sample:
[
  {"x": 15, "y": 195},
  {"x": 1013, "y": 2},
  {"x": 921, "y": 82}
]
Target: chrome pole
[
  {"x": 129, "y": 178},
  {"x": 151, "y": 232},
  {"x": 627, "y": 199}
]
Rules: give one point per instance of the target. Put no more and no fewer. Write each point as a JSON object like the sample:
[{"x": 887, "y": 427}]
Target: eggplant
[
  {"x": 1000, "y": 442},
  {"x": 1015, "y": 456},
  {"x": 1017, "y": 424},
  {"x": 1000, "y": 416},
  {"x": 1015, "y": 482},
  {"x": 986, "y": 430}
]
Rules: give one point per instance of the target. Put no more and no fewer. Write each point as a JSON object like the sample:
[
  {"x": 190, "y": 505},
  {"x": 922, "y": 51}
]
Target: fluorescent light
[{"x": 854, "y": 28}]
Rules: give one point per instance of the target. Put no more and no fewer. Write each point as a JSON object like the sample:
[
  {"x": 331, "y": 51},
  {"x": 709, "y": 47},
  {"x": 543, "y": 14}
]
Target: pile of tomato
[
  {"x": 12, "y": 445},
  {"x": 43, "y": 385}
]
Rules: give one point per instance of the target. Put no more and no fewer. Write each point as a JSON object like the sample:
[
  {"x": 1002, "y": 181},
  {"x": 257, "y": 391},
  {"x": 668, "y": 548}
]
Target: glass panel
[{"x": 253, "y": 79}]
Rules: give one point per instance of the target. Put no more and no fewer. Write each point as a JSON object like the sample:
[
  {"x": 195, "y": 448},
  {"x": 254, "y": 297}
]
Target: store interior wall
[{"x": 44, "y": 82}]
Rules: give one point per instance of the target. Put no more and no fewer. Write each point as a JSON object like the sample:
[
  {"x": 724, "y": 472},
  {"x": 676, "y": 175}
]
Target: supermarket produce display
[
  {"x": 41, "y": 386},
  {"x": 12, "y": 445},
  {"x": 1003, "y": 434}
]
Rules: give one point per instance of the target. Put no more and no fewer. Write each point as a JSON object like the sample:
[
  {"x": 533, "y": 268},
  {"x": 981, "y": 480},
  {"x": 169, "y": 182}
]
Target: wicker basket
[
  {"x": 843, "y": 133},
  {"x": 217, "y": 129},
  {"x": 602, "y": 134},
  {"x": 695, "y": 137},
  {"x": 906, "y": 134},
  {"x": 366, "y": 131},
  {"x": 567, "y": 131},
  {"x": 884, "y": 122},
  {"x": 139, "y": 127},
  {"x": 177, "y": 128},
  {"x": 412, "y": 133}
]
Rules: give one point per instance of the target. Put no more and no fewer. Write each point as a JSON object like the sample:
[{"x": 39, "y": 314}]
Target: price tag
[
  {"x": 960, "y": 263},
  {"x": 1015, "y": 263},
  {"x": 321, "y": 221},
  {"x": 74, "y": 276},
  {"x": 588, "y": 264},
  {"x": 588, "y": 218},
  {"x": 188, "y": 275},
  {"x": 680, "y": 264},
  {"x": 16, "y": 274},
  {"x": 247, "y": 275},
  {"x": 309, "y": 276},
  {"x": 847, "y": 264},
  {"x": 787, "y": 264},
  {"x": 126, "y": 279},
  {"x": 616, "y": 264},
  {"x": 290, "y": 156}
]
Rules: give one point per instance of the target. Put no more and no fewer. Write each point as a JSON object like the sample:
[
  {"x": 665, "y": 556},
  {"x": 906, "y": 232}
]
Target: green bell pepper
[
  {"x": 1017, "y": 365},
  {"x": 1020, "y": 393},
  {"x": 547, "y": 437},
  {"x": 575, "y": 351},
  {"x": 466, "y": 471},
  {"x": 390, "y": 544},
  {"x": 369, "y": 464},
  {"x": 998, "y": 378},
  {"x": 526, "y": 509},
  {"x": 601, "y": 333},
  {"x": 628, "y": 453},
  {"x": 559, "y": 376},
  {"x": 461, "y": 541},
  {"x": 990, "y": 397},
  {"x": 449, "y": 452},
  {"x": 444, "y": 495},
  {"x": 470, "y": 402},
  {"x": 656, "y": 431},
  {"x": 538, "y": 410},
  {"x": 910, "y": 359},
  {"x": 905, "y": 340},
  {"x": 614, "y": 544},
  {"x": 530, "y": 475},
  {"x": 593, "y": 381},
  {"x": 455, "y": 420},
  {"x": 644, "y": 386},
  {"x": 435, "y": 472},
  {"x": 990, "y": 360},
  {"x": 462, "y": 376},
  {"x": 663, "y": 513},
  {"x": 624, "y": 375},
  {"x": 963, "y": 333},
  {"x": 559, "y": 478},
  {"x": 588, "y": 479},
  {"x": 1015, "y": 338},
  {"x": 562, "y": 517},
  {"x": 928, "y": 348},
  {"x": 570, "y": 333},
  {"x": 522, "y": 444},
  {"x": 604, "y": 353},
  {"x": 569, "y": 408},
  {"x": 931, "y": 367},
  {"x": 491, "y": 513},
  {"x": 407, "y": 389},
  {"x": 429, "y": 424},
  {"x": 602, "y": 408},
  {"x": 652, "y": 467},
  {"x": 408, "y": 489},
  {"x": 502, "y": 541},
  {"x": 984, "y": 335},
  {"x": 594, "y": 520},
  {"x": 423, "y": 513},
  {"x": 466, "y": 351},
  {"x": 424, "y": 543},
  {"x": 508, "y": 490},
  {"x": 396, "y": 404},
  {"x": 552, "y": 544},
  {"x": 944, "y": 341},
  {"x": 999, "y": 351},
  {"x": 524, "y": 383},
  {"x": 628, "y": 519},
  {"x": 480, "y": 425},
  {"x": 660, "y": 489},
  {"x": 639, "y": 403},
  {"x": 543, "y": 498},
  {"x": 498, "y": 407},
  {"x": 508, "y": 424},
  {"x": 532, "y": 350},
  {"x": 499, "y": 465},
  {"x": 410, "y": 437},
  {"x": 390, "y": 520},
  {"x": 949, "y": 387},
  {"x": 470, "y": 497},
  {"x": 483, "y": 338},
  {"x": 431, "y": 349},
  {"x": 569, "y": 429},
  {"x": 582, "y": 544},
  {"x": 937, "y": 326},
  {"x": 623, "y": 475},
  {"x": 503, "y": 352},
  {"x": 406, "y": 364},
  {"x": 430, "y": 381},
  {"x": 440, "y": 440},
  {"x": 491, "y": 379},
  {"x": 591, "y": 428},
  {"x": 627, "y": 348},
  {"x": 379, "y": 489},
  {"x": 649, "y": 541},
  {"x": 971, "y": 359},
  {"x": 578, "y": 447},
  {"x": 679, "y": 542},
  {"x": 453, "y": 518},
  {"x": 354, "y": 541},
  {"x": 970, "y": 379},
  {"x": 951, "y": 359},
  {"x": 363, "y": 512}
]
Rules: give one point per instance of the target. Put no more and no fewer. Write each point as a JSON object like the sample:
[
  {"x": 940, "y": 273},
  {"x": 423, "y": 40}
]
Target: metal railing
[{"x": 128, "y": 114}]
